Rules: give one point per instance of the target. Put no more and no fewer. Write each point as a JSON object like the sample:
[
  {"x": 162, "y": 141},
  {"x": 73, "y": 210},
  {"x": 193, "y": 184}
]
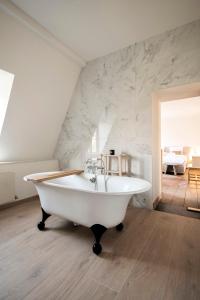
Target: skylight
[{"x": 6, "y": 82}]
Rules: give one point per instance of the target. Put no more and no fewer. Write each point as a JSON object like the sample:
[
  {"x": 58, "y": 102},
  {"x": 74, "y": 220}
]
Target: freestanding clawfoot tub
[{"x": 74, "y": 197}]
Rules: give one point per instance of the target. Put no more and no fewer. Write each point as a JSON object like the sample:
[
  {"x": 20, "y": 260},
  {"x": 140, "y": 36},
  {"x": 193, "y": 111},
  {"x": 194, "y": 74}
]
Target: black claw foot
[
  {"x": 97, "y": 248},
  {"x": 98, "y": 230},
  {"x": 120, "y": 227},
  {"x": 41, "y": 225}
]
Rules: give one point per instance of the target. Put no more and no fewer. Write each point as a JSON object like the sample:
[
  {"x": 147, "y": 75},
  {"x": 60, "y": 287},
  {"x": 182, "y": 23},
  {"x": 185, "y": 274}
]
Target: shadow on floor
[{"x": 177, "y": 210}]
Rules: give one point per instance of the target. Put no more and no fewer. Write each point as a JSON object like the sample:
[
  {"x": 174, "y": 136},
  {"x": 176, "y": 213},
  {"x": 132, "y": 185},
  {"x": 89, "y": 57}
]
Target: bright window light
[{"x": 6, "y": 82}]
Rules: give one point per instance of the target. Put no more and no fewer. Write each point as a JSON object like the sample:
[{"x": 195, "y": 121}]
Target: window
[{"x": 6, "y": 82}]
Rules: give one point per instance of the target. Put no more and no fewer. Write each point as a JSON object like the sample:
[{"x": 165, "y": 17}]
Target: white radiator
[{"x": 7, "y": 187}]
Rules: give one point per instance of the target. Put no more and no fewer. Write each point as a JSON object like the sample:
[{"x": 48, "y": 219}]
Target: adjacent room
[
  {"x": 99, "y": 149},
  {"x": 180, "y": 147}
]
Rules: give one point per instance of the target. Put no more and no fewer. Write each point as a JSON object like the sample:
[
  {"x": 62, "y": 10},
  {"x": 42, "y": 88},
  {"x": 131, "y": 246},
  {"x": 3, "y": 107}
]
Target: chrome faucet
[{"x": 93, "y": 168}]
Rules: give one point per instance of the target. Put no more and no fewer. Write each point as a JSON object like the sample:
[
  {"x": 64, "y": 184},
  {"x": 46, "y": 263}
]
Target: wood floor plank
[
  {"x": 54, "y": 261},
  {"x": 156, "y": 256},
  {"x": 184, "y": 279},
  {"x": 180, "y": 193},
  {"x": 116, "y": 265},
  {"x": 90, "y": 290},
  {"x": 191, "y": 197},
  {"x": 151, "y": 268},
  {"x": 79, "y": 289}
]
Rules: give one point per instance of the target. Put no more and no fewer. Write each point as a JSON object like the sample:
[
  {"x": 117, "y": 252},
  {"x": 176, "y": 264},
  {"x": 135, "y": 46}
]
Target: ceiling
[
  {"x": 94, "y": 28},
  {"x": 180, "y": 108}
]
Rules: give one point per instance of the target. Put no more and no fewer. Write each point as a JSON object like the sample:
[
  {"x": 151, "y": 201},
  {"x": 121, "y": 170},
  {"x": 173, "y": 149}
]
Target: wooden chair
[
  {"x": 194, "y": 175},
  {"x": 194, "y": 169}
]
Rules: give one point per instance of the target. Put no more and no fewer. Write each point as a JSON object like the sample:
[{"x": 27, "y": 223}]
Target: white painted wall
[
  {"x": 16, "y": 171},
  {"x": 45, "y": 75},
  {"x": 43, "y": 85},
  {"x": 180, "y": 123},
  {"x": 7, "y": 187}
]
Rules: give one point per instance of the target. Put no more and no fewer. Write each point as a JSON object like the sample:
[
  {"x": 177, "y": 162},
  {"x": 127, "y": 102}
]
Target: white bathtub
[{"x": 75, "y": 198}]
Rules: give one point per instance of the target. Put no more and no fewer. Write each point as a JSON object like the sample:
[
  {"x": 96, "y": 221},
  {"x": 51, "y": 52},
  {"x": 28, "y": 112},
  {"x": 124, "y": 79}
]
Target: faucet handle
[{"x": 88, "y": 161}]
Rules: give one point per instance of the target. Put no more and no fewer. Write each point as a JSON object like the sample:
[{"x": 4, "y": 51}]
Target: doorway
[{"x": 175, "y": 142}]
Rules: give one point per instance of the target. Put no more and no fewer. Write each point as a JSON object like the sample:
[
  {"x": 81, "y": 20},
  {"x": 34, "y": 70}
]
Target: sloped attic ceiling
[{"x": 93, "y": 28}]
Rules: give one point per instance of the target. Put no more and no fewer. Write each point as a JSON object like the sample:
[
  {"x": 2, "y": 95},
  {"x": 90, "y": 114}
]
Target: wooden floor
[
  {"x": 177, "y": 195},
  {"x": 155, "y": 257}
]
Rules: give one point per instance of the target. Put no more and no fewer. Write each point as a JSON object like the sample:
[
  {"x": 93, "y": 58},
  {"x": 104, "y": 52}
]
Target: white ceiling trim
[{"x": 13, "y": 10}]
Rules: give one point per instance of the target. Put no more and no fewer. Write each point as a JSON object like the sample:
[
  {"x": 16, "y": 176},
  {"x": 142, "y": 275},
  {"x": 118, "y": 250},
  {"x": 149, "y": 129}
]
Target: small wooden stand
[{"x": 122, "y": 164}]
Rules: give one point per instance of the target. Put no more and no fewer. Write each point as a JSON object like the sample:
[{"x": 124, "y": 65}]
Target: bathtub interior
[{"x": 115, "y": 184}]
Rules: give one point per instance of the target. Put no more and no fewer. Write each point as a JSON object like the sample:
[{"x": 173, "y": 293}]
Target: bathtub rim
[{"x": 57, "y": 185}]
